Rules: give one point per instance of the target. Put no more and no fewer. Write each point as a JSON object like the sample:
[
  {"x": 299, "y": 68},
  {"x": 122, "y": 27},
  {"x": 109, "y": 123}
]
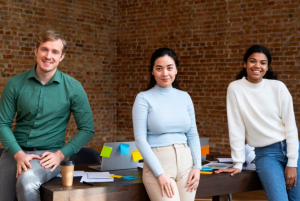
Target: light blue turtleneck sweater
[{"x": 162, "y": 117}]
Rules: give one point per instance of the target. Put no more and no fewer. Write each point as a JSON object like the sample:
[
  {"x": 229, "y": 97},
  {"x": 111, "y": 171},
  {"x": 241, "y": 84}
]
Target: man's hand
[
  {"x": 193, "y": 180},
  {"x": 165, "y": 184},
  {"x": 50, "y": 159},
  {"x": 290, "y": 175},
  {"x": 23, "y": 161}
]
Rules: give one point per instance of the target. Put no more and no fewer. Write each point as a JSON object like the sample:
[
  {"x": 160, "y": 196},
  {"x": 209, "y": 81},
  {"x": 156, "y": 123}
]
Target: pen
[
  {"x": 90, "y": 184},
  {"x": 205, "y": 172}
]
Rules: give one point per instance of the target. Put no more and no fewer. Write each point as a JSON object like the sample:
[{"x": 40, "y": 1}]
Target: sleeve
[
  {"x": 237, "y": 130},
  {"x": 288, "y": 119},
  {"x": 139, "y": 116},
  {"x": 83, "y": 116},
  {"x": 193, "y": 136},
  {"x": 7, "y": 114}
]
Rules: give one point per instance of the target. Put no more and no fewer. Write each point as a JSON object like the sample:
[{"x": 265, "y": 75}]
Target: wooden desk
[{"x": 217, "y": 186}]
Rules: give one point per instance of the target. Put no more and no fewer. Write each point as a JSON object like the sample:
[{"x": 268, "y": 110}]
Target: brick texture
[
  {"x": 110, "y": 44},
  {"x": 210, "y": 38}
]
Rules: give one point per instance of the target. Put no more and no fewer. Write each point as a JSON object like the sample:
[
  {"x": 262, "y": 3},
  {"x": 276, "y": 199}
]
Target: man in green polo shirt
[{"x": 42, "y": 100}]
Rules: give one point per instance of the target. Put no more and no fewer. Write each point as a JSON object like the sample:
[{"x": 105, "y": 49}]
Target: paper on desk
[
  {"x": 98, "y": 175},
  {"x": 75, "y": 174},
  {"x": 217, "y": 165},
  {"x": 141, "y": 165},
  {"x": 86, "y": 179},
  {"x": 224, "y": 160}
]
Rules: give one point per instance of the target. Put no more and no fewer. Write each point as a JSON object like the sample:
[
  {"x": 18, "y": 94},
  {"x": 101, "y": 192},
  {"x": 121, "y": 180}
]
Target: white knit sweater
[{"x": 263, "y": 114}]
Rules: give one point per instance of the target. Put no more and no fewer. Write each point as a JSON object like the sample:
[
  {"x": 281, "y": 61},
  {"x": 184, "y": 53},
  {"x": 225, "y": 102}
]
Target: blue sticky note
[
  {"x": 206, "y": 168},
  {"x": 129, "y": 177},
  {"x": 124, "y": 148}
]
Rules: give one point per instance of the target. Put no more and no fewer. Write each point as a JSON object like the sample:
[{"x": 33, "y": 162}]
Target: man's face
[{"x": 48, "y": 56}]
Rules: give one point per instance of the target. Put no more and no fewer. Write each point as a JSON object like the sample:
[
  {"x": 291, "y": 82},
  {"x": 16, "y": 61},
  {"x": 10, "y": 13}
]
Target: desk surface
[{"x": 215, "y": 185}]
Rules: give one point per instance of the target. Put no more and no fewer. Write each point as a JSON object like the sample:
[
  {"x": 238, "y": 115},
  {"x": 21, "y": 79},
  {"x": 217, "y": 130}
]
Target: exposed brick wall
[
  {"x": 210, "y": 38},
  {"x": 90, "y": 30},
  {"x": 110, "y": 44}
]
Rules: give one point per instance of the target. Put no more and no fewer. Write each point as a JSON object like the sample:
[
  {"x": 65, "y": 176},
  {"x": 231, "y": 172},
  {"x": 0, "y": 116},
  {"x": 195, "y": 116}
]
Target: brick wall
[
  {"x": 90, "y": 30},
  {"x": 110, "y": 44},
  {"x": 210, "y": 38}
]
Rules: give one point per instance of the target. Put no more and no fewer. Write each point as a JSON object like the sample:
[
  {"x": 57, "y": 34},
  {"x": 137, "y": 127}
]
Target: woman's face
[
  {"x": 164, "y": 71},
  {"x": 256, "y": 67}
]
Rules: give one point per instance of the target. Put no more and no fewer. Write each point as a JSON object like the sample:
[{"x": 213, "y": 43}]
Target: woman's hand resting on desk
[
  {"x": 290, "y": 175},
  {"x": 193, "y": 180},
  {"x": 233, "y": 170},
  {"x": 166, "y": 184}
]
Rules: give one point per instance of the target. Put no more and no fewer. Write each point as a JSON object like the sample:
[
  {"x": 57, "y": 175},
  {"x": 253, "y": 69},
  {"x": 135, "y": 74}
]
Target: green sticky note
[
  {"x": 136, "y": 155},
  {"x": 106, "y": 151}
]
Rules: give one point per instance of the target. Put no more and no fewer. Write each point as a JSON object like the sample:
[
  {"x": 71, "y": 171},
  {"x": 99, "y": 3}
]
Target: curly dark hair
[{"x": 270, "y": 74}]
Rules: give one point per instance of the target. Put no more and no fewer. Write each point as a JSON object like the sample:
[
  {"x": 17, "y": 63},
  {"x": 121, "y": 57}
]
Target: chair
[
  {"x": 1, "y": 151},
  {"x": 86, "y": 156}
]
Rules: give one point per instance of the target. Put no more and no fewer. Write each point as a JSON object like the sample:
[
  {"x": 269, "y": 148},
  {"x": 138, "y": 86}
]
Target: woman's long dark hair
[
  {"x": 270, "y": 74},
  {"x": 160, "y": 53}
]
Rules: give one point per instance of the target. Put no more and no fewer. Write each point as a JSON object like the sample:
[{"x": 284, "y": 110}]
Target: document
[
  {"x": 91, "y": 178},
  {"x": 75, "y": 174}
]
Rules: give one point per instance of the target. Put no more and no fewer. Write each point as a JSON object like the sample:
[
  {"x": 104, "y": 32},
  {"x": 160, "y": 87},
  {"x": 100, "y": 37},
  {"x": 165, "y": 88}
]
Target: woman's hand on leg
[
  {"x": 166, "y": 184},
  {"x": 290, "y": 175},
  {"x": 193, "y": 180}
]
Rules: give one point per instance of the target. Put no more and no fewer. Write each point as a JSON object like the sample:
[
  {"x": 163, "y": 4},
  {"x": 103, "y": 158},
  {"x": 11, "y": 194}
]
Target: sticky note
[
  {"x": 204, "y": 150},
  {"x": 124, "y": 148},
  {"x": 129, "y": 177},
  {"x": 206, "y": 169},
  {"x": 116, "y": 176},
  {"x": 106, "y": 151},
  {"x": 136, "y": 155}
]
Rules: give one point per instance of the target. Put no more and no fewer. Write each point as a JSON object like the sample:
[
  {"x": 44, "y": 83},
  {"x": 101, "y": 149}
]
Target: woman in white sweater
[{"x": 260, "y": 110}]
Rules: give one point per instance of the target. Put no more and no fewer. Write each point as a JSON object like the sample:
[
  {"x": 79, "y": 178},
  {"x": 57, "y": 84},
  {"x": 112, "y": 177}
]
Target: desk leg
[{"x": 220, "y": 198}]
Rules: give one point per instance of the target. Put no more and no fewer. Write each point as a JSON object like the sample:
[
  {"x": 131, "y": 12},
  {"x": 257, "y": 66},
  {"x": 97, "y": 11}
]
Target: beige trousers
[{"x": 177, "y": 162}]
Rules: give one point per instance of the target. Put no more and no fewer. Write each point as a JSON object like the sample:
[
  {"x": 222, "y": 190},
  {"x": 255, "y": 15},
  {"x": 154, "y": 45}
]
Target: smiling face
[
  {"x": 48, "y": 56},
  {"x": 164, "y": 71},
  {"x": 256, "y": 67}
]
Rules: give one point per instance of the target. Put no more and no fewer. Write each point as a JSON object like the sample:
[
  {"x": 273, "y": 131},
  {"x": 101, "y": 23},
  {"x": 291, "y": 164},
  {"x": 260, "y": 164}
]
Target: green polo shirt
[{"x": 43, "y": 113}]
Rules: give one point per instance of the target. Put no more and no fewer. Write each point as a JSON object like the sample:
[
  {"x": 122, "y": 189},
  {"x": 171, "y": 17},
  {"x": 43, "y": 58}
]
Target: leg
[
  {"x": 270, "y": 169},
  {"x": 29, "y": 182},
  {"x": 8, "y": 170},
  {"x": 167, "y": 159},
  {"x": 185, "y": 165},
  {"x": 294, "y": 193}
]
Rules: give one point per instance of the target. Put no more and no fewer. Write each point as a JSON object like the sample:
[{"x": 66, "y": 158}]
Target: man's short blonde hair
[{"x": 51, "y": 35}]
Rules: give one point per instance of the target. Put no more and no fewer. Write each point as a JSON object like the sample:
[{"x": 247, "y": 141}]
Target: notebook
[{"x": 118, "y": 161}]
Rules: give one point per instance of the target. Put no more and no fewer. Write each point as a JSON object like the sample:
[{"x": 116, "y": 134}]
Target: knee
[{"x": 27, "y": 183}]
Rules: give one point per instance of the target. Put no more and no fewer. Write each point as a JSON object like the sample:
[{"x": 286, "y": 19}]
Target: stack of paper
[{"x": 96, "y": 177}]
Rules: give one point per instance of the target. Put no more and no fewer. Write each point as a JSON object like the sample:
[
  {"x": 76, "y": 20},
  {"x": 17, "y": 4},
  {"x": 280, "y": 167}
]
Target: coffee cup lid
[{"x": 67, "y": 163}]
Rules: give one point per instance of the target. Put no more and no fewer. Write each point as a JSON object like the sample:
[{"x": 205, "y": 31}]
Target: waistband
[
  {"x": 173, "y": 146},
  {"x": 30, "y": 149}
]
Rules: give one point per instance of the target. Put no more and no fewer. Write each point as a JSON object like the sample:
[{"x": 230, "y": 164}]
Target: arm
[
  {"x": 9, "y": 142},
  {"x": 7, "y": 114},
  {"x": 194, "y": 144},
  {"x": 84, "y": 120},
  {"x": 237, "y": 132},
  {"x": 288, "y": 119}
]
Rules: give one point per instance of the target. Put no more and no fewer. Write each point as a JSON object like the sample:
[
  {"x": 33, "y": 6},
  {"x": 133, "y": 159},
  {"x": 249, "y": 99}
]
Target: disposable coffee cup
[{"x": 67, "y": 171}]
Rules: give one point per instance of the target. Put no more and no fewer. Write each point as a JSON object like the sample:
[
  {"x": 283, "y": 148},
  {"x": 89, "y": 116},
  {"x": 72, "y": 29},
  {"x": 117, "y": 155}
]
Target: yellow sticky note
[
  {"x": 204, "y": 150},
  {"x": 136, "y": 155},
  {"x": 116, "y": 176},
  {"x": 106, "y": 151}
]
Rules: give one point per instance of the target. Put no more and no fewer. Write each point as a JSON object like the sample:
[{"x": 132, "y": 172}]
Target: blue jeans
[{"x": 270, "y": 164}]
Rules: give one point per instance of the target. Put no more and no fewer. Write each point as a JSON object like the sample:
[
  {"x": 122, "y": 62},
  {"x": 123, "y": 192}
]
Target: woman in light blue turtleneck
[{"x": 166, "y": 134}]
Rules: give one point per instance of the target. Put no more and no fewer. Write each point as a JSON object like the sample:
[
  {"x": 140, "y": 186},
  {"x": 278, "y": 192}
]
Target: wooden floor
[{"x": 249, "y": 196}]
